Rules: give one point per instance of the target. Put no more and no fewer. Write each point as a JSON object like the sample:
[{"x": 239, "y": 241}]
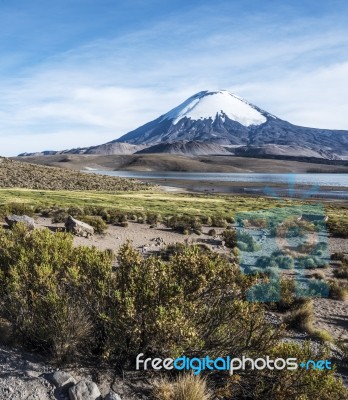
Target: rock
[
  {"x": 12, "y": 220},
  {"x": 84, "y": 390},
  {"x": 78, "y": 228},
  {"x": 113, "y": 396},
  {"x": 62, "y": 380}
]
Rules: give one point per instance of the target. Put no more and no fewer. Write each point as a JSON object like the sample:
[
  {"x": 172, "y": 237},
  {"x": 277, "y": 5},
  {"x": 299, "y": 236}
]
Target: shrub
[
  {"x": 186, "y": 308},
  {"x": 207, "y": 221},
  {"x": 51, "y": 291},
  {"x": 218, "y": 221},
  {"x": 59, "y": 216},
  {"x": 17, "y": 209},
  {"x": 230, "y": 238},
  {"x": 117, "y": 217},
  {"x": 185, "y": 387},
  {"x": 230, "y": 220},
  {"x": 322, "y": 336},
  {"x": 75, "y": 211},
  {"x": 285, "y": 384},
  {"x": 338, "y": 227},
  {"x": 301, "y": 318},
  {"x": 310, "y": 262},
  {"x": 153, "y": 219},
  {"x": 184, "y": 224},
  {"x": 338, "y": 291},
  {"x": 341, "y": 272},
  {"x": 317, "y": 275},
  {"x": 246, "y": 242},
  {"x": 339, "y": 257},
  {"x": 288, "y": 300},
  {"x": 275, "y": 261},
  {"x": 97, "y": 223}
]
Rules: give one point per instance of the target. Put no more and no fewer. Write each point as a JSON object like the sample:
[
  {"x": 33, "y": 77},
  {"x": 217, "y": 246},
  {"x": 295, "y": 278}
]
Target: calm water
[{"x": 339, "y": 180}]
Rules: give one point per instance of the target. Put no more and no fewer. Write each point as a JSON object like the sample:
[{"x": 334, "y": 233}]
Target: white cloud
[{"x": 99, "y": 91}]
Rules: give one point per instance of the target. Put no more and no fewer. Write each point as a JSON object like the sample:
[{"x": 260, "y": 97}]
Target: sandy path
[
  {"x": 332, "y": 315},
  {"x": 141, "y": 235}
]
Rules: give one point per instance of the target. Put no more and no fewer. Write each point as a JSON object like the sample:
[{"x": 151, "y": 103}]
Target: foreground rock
[
  {"x": 27, "y": 376},
  {"x": 78, "y": 228},
  {"x": 84, "y": 390},
  {"x": 13, "y": 220},
  {"x": 113, "y": 396},
  {"x": 62, "y": 380}
]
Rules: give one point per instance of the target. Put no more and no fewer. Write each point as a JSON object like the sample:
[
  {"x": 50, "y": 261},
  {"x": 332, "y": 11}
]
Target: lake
[{"x": 321, "y": 180}]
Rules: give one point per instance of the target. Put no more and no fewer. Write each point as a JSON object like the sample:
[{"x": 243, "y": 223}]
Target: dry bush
[
  {"x": 317, "y": 275},
  {"x": 301, "y": 318},
  {"x": 186, "y": 387},
  {"x": 338, "y": 290},
  {"x": 341, "y": 272}
]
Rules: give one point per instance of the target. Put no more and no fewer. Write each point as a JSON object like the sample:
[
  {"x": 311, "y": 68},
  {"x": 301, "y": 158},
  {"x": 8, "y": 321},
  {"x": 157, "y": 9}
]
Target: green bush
[
  {"x": 246, "y": 242},
  {"x": 51, "y": 291},
  {"x": 97, "y": 223},
  {"x": 184, "y": 224},
  {"x": 296, "y": 384},
  {"x": 310, "y": 262},
  {"x": 17, "y": 209},
  {"x": 186, "y": 308},
  {"x": 230, "y": 238},
  {"x": 338, "y": 226},
  {"x": 59, "y": 216},
  {"x": 153, "y": 219},
  {"x": 275, "y": 261},
  {"x": 218, "y": 221}
]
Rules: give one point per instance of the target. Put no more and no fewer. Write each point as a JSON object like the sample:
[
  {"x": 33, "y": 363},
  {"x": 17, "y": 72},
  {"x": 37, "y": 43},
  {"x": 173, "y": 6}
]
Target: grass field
[{"x": 153, "y": 201}]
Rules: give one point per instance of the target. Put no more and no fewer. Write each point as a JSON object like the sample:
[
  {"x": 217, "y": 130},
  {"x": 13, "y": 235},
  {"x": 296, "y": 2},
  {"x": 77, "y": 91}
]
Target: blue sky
[{"x": 83, "y": 72}]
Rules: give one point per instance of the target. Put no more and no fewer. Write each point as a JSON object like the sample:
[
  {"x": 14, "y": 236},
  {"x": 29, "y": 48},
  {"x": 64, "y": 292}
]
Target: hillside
[
  {"x": 14, "y": 174},
  {"x": 181, "y": 162}
]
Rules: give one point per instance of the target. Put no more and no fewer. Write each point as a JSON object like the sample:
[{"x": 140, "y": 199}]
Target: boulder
[
  {"x": 78, "y": 228},
  {"x": 12, "y": 220},
  {"x": 113, "y": 396},
  {"x": 84, "y": 390},
  {"x": 62, "y": 380}
]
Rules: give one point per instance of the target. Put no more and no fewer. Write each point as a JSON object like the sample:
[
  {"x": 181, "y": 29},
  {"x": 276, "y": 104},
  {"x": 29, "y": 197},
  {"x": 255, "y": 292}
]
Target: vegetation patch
[{"x": 14, "y": 174}]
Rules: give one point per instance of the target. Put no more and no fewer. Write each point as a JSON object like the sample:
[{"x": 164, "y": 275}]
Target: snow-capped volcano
[
  {"x": 220, "y": 118},
  {"x": 211, "y": 104},
  {"x": 217, "y": 116},
  {"x": 219, "y": 122}
]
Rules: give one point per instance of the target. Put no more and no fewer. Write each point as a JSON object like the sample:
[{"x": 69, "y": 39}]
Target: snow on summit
[{"x": 208, "y": 104}]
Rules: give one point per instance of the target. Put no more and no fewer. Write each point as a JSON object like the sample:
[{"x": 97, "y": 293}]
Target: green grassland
[
  {"x": 146, "y": 201},
  {"x": 156, "y": 201}
]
